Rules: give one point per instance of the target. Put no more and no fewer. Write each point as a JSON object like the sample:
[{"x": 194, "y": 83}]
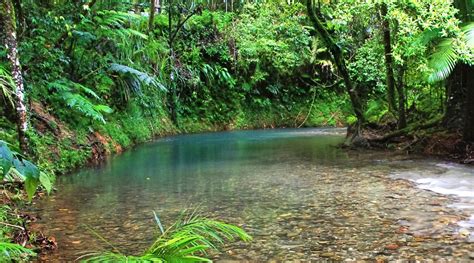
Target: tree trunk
[
  {"x": 455, "y": 94},
  {"x": 151, "y": 16},
  {"x": 19, "y": 16},
  {"x": 172, "y": 98},
  {"x": 336, "y": 53},
  {"x": 157, "y": 7},
  {"x": 468, "y": 83},
  {"x": 11, "y": 44},
  {"x": 388, "y": 59},
  {"x": 402, "y": 119}
]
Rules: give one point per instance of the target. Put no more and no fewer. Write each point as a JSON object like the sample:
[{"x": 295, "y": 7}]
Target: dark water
[{"x": 299, "y": 196}]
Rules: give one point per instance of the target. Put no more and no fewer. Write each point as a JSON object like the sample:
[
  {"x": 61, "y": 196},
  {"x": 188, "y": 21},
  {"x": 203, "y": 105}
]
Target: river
[{"x": 298, "y": 195}]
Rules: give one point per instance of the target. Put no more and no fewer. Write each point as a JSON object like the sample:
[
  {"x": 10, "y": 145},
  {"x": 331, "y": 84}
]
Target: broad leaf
[
  {"x": 6, "y": 159},
  {"x": 27, "y": 169},
  {"x": 30, "y": 187},
  {"x": 45, "y": 181}
]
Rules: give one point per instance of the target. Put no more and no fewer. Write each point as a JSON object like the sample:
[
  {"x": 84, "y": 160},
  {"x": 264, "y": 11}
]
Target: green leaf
[
  {"x": 6, "y": 159},
  {"x": 45, "y": 181},
  {"x": 30, "y": 186},
  {"x": 27, "y": 169}
]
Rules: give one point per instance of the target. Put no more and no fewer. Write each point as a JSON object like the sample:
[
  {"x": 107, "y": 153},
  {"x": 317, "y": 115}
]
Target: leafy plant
[
  {"x": 70, "y": 93},
  {"x": 10, "y": 251},
  {"x": 6, "y": 86},
  {"x": 13, "y": 167},
  {"x": 448, "y": 54},
  {"x": 131, "y": 80},
  {"x": 187, "y": 240}
]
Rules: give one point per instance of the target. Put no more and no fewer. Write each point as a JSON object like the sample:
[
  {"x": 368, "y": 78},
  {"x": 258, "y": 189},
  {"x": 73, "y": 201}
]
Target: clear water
[{"x": 298, "y": 195}]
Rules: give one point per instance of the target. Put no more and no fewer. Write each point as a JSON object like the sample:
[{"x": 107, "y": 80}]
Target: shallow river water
[{"x": 299, "y": 196}]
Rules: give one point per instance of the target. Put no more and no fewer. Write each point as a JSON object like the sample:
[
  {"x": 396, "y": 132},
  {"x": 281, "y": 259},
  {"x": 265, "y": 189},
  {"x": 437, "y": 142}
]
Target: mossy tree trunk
[
  {"x": 390, "y": 78},
  {"x": 402, "y": 118},
  {"x": 338, "y": 58},
  {"x": 8, "y": 14}
]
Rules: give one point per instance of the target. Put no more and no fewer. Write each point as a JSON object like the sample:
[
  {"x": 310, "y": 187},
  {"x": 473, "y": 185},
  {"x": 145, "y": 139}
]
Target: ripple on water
[{"x": 449, "y": 179}]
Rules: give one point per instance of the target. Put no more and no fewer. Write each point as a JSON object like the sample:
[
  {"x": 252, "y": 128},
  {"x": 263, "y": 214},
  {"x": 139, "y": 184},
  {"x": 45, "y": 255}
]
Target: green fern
[
  {"x": 10, "y": 251},
  {"x": 131, "y": 81},
  {"x": 109, "y": 22},
  {"x": 6, "y": 86},
  {"x": 71, "y": 93}
]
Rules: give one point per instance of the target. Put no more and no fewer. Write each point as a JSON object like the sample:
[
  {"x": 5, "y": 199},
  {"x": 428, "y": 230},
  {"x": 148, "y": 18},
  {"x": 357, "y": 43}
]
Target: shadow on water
[{"x": 292, "y": 189}]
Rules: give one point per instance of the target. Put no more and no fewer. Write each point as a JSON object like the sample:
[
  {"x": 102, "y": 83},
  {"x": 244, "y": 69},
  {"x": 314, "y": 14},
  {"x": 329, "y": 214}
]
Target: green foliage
[
  {"x": 6, "y": 87},
  {"x": 78, "y": 97},
  {"x": 187, "y": 240},
  {"x": 10, "y": 252},
  {"x": 451, "y": 50},
  {"x": 13, "y": 167},
  {"x": 262, "y": 66}
]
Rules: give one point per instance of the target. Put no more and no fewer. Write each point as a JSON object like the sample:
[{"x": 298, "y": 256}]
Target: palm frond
[
  {"x": 445, "y": 57},
  {"x": 443, "y": 60},
  {"x": 469, "y": 34},
  {"x": 205, "y": 233},
  {"x": 187, "y": 240}
]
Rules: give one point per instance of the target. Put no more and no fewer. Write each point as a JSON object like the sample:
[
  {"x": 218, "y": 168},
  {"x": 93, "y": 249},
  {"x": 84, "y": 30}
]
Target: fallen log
[{"x": 408, "y": 130}]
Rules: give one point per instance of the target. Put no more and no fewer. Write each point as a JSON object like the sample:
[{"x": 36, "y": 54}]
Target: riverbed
[{"x": 300, "y": 196}]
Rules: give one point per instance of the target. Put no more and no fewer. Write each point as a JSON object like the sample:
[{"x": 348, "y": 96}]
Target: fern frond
[
  {"x": 135, "y": 77},
  {"x": 71, "y": 93},
  {"x": 7, "y": 86},
  {"x": 13, "y": 251}
]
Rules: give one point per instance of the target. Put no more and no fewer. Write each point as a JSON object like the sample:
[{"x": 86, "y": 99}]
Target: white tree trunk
[{"x": 11, "y": 44}]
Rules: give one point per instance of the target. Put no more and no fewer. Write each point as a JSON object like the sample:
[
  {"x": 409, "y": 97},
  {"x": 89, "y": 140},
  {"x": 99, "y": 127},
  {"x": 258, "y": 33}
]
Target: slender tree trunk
[
  {"x": 172, "y": 98},
  {"x": 468, "y": 83},
  {"x": 336, "y": 53},
  {"x": 455, "y": 94},
  {"x": 19, "y": 16},
  {"x": 402, "y": 119},
  {"x": 151, "y": 16},
  {"x": 388, "y": 59},
  {"x": 11, "y": 44}
]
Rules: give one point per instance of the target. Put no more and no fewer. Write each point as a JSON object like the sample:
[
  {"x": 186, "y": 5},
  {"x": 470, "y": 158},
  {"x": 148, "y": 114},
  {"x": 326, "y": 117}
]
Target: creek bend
[{"x": 298, "y": 195}]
